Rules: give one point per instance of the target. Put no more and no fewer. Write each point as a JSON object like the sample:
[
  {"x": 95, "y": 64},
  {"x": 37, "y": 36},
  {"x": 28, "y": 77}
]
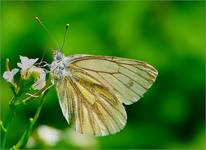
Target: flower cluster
[{"x": 27, "y": 68}]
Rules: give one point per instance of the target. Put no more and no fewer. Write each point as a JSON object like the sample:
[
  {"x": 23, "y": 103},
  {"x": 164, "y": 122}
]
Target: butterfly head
[
  {"x": 59, "y": 66},
  {"x": 58, "y": 55}
]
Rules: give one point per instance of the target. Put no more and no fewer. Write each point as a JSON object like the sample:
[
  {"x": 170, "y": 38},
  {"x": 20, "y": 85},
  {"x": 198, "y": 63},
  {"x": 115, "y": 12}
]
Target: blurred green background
[{"x": 168, "y": 35}]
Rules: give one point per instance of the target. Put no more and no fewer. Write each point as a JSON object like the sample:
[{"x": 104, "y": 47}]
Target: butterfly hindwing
[{"x": 95, "y": 110}]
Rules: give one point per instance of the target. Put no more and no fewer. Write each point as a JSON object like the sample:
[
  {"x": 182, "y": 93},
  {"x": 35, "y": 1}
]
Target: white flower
[
  {"x": 27, "y": 68},
  {"x": 9, "y": 75},
  {"x": 48, "y": 134},
  {"x": 41, "y": 79},
  {"x": 80, "y": 140},
  {"x": 25, "y": 65}
]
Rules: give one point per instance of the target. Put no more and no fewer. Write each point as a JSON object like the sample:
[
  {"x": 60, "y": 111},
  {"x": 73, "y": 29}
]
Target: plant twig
[
  {"x": 23, "y": 140},
  {"x": 7, "y": 123}
]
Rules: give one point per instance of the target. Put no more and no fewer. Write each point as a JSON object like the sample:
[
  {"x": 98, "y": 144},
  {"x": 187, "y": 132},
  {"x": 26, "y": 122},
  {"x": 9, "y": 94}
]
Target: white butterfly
[{"x": 93, "y": 89}]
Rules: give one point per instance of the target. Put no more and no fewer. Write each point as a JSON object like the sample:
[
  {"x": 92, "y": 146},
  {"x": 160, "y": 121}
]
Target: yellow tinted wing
[
  {"x": 89, "y": 107},
  {"x": 91, "y": 98},
  {"x": 127, "y": 79}
]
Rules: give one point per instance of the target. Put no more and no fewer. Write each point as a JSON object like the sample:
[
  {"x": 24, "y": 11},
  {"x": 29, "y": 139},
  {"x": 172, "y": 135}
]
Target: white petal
[
  {"x": 14, "y": 71},
  {"x": 8, "y": 76},
  {"x": 39, "y": 84},
  {"x": 19, "y": 65},
  {"x": 33, "y": 61},
  {"x": 39, "y": 71},
  {"x": 26, "y": 64},
  {"x": 24, "y": 59}
]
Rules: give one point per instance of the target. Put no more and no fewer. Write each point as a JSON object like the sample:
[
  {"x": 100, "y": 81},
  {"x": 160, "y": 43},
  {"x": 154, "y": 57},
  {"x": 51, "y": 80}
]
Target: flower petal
[
  {"x": 19, "y": 65},
  {"x": 25, "y": 65},
  {"x": 39, "y": 84},
  {"x": 26, "y": 62},
  {"x": 39, "y": 71},
  {"x": 9, "y": 75},
  {"x": 24, "y": 59},
  {"x": 14, "y": 71}
]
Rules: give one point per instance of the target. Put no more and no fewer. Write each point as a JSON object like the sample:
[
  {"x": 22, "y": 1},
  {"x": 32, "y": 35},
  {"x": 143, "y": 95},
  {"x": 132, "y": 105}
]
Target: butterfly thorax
[{"x": 59, "y": 66}]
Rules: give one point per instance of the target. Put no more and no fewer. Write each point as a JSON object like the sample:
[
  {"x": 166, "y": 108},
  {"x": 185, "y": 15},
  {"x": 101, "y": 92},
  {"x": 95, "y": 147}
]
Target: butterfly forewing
[
  {"x": 92, "y": 97},
  {"x": 127, "y": 79}
]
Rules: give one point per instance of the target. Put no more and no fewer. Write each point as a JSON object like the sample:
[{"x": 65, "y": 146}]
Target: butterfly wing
[
  {"x": 91, "y": 99},
  {"x": 90, "y": 107},
  {"x": 127, "y": 79}
]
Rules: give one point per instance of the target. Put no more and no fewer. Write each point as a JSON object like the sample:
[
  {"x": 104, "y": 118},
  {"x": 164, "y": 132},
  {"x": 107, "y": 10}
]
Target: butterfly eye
[
  {"x": 61, "y": 67},
  {"x": 59, "y": 57}
]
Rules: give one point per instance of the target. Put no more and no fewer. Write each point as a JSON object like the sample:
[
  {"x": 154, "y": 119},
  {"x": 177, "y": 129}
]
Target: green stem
[
  {"x": 23, "y": 140},
  {"x": 8, "y": 121}
]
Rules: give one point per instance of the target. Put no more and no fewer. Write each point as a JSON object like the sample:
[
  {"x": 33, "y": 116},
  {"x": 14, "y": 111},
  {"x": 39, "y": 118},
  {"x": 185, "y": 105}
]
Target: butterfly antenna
[
  {"x": 45, "y": 29},
  {"x": 49, "y": 34},
  {"x": 65, "y": 33}
]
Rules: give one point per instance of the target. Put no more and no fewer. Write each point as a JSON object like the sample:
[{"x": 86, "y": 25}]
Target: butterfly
[{"x": 92, "y": 90}]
